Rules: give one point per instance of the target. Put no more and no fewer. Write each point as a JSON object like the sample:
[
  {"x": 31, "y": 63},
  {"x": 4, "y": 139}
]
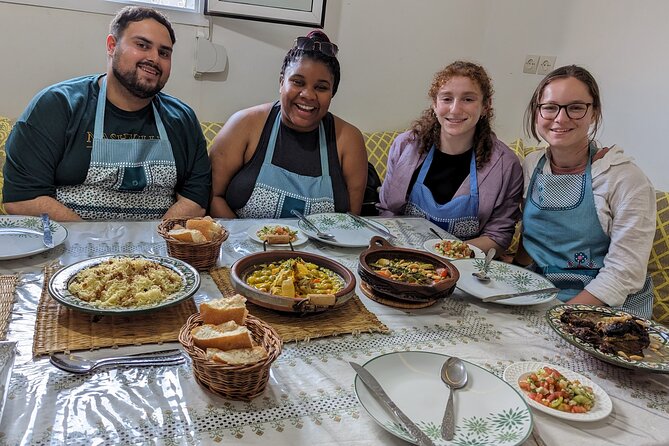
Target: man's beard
[{"x": 130, "y": 80}]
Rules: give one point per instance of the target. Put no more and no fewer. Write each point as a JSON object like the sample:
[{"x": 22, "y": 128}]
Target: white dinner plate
[
  {"x": 60, "y": 280},
  {"x": 601, "y": 409},
  {"x": 7, "y": 355},
  {"x": 253, "y": 234},
  {"x": 348, "y": 232},
  {"x": 429, "y": 246},
  {"x": 487, "y": 410},
  {"x": 17, "y": 245},
  {"x": 505, "y": 278}
]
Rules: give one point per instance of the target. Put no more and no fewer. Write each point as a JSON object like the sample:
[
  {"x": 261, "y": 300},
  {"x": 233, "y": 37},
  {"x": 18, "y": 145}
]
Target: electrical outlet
[
  {"x": 546, "y": 64},
  {"x": 531, "y": 64}
]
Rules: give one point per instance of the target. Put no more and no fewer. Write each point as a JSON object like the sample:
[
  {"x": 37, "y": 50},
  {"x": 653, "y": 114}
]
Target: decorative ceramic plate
[
  {"x": 60, "y": 280},
  {"x": 14, "y": 243},
  {"x": 348, "y": 232},
  {"x": 601, "y": 409},
  {"x": 505, "y": 278},
  {"x": 656, "y": 356},
  {"x": 7, "y": 355},
  {"x": 430, "y": 246},
  {"x": 253, "y": 235},
  {"x": 487, "y": 410}
]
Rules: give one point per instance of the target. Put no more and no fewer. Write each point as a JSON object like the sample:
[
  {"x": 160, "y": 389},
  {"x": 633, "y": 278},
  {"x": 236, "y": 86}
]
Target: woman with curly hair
[{"x": 450, "y": 167}]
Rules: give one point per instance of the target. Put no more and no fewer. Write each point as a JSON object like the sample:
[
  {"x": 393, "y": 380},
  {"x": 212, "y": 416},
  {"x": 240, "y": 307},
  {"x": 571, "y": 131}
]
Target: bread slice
[
  {"x": 238, "y": 356},
  {"x": 187, "y": 235},
  {"x": 225, "y": 309},
  {"x": 322, "y": 300},
  {"x": 226, "y": 336},
  {"x": 207, "y": 226}
]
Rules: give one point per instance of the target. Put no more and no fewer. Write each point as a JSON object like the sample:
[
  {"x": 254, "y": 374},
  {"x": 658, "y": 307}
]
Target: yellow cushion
[
  {"x": 5, "y": 127},
  {"x": 210, "y": 130},
  {"x": 377, "y": 145},
  {"x": 658, "y": 264}
]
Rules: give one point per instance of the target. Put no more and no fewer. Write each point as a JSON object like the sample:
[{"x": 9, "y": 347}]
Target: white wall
[{"x": 389, "y": 50}]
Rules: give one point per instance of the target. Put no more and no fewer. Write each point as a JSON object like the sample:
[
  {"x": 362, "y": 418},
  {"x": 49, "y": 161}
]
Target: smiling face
[
  {"x": 563, "y": 132},
  {"x": 458, "y": 106},
  {"x": 141, "y": 59},
  {"x": 306, "y": 93}
]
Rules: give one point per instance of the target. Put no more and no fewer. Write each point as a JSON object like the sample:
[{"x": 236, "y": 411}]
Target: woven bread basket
[
  {"x": 235, "y": 382},
  {"x": 201, "y": 255}
]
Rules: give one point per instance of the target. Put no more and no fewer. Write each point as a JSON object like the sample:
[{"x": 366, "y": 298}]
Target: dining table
[{"x": 310, "y": 398}]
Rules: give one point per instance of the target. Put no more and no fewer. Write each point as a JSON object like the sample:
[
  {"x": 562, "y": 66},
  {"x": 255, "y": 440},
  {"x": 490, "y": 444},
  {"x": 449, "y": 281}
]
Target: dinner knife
[
  {"x": 497, "y": 297},
  {"x": 366, "y": 223},
  {"x": 46, "y": 227},
  {"x": 376, "y": 389}
]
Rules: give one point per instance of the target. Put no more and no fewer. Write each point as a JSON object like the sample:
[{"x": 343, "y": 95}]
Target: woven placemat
[
  {"x": 7, "y": 288},
  {"x": 62, "y": 329},
  {"x": 352, "y": 317}
]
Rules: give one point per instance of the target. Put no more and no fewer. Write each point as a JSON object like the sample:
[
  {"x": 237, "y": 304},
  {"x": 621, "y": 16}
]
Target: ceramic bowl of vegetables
[
  {"x": 406, "y": 274},
  {"x": 292, "y": 281}
]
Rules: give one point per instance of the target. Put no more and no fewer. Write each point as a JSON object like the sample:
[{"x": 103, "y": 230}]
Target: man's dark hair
[{"x": 131, "y": 14}]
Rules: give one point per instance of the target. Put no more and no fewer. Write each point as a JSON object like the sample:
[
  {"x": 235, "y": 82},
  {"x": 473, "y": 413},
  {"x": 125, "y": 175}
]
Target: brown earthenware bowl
[
  {"x": 245, "y": 266},
  {"x": 381, "y": 248}
]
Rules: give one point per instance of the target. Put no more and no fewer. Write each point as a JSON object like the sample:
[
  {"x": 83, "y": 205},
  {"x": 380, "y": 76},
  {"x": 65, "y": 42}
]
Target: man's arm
[
  {"x": 184, "y": 207},
  {"x": 56, "y": 210}
]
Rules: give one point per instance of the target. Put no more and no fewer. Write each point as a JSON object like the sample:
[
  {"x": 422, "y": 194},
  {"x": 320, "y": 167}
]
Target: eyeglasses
[
  {"x": 308, "y": 44},
  {"x": 575, "y": 110}
]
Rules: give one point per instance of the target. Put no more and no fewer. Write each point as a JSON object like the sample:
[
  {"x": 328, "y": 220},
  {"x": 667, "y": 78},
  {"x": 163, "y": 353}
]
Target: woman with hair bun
[
  {"x": 450, "y": 167},
  {"x": 293, "y": 154}
]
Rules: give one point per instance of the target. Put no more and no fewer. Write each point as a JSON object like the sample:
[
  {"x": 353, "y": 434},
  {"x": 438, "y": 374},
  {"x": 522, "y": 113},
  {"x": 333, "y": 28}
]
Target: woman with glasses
[
  {"x": 450, "y": 167},
  {"x": 589, "y": 212},
  {"x": 293, "y": 154}
]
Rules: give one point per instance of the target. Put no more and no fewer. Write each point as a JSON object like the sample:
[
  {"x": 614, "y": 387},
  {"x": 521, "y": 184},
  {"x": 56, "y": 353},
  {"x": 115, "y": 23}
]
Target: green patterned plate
[
  {"x": 18, "y": 238},
  {"x": 656, "y": 357},
  {"x": 348, "y": 232},
  {"x": 61, "y": 279},
  {"x": 487, "y": 410},
  {"x": 506, "y": 279}
]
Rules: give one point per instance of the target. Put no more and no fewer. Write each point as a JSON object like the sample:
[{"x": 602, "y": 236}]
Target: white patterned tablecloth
[{"x": 310, "y": 397}]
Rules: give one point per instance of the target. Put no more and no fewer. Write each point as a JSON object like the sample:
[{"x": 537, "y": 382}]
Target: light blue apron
[
  {"x": 127, "y": 179},
  {"x": 561, "y": 209},
  {"x": 278, "y": 191},
  {"x": 459, "y": 216}
]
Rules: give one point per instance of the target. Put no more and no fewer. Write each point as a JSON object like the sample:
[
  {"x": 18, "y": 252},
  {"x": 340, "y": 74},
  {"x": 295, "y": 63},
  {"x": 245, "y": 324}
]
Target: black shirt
[{"x": 445, "y": 175}]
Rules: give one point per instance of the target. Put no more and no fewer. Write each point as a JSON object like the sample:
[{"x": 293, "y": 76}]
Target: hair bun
[{"x": 318, "y": 36}]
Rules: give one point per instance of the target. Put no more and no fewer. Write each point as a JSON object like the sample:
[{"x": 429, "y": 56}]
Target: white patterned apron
[
  {"x": 127, "y": 179},
  {"x": 561, "y": 209},
  {"x": 459, "y": 216},
  {"x": 278, "y": 191}
]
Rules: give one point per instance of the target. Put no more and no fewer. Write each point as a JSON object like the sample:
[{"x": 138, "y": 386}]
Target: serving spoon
[
  {"x": 454, "y": 375},
  {"x": 80, "y": 365},
  {"x": 482, "y": 275}
]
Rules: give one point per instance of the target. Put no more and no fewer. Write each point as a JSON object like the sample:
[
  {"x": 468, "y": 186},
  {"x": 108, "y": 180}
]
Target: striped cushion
[{"x": 658, "y": 264}]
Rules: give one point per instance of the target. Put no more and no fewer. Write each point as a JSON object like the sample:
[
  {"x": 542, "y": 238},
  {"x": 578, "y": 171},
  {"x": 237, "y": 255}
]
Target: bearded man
[{"x": 111, "y": 146}]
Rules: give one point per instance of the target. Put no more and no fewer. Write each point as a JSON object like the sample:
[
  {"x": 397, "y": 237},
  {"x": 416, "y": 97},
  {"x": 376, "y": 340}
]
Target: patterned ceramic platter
[
  {"x": 656, "y": 356},
  {"x": 61, "y": 279},
  {"x": 487, "y": 410},
  {"x": 430, "y": 246},
  {"x": 506, "y": 278},
  {"x": 348, "y": 232},
  {"x": 7, "y": 355},
  {"x": 600, "y": 410},
  {"x": 15, "y": 244},
  {"x": 253, "y": 235}
]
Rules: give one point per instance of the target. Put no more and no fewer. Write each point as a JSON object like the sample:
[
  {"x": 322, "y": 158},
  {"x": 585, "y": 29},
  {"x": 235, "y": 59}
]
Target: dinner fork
[{"x": 310, "y": 225}]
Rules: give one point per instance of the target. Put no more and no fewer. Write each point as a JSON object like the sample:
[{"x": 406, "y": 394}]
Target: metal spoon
[
  {"x": 310, "y": 225},
  {"x": 483, "y": 274},
  {"x": 78, "y": 364},
  {"x": 454, "y": 374}
]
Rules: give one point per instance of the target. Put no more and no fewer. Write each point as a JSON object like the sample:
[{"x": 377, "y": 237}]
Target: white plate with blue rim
[
  {"x": 505, "y": 279},
  {"x": 21, "y": 236},
  {"x": 348, "y": 232},
  {"x": 487, "y": 410}
]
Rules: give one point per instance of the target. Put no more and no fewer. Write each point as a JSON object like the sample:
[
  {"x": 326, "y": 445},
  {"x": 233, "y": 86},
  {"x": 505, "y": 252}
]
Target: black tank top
[
  {"x": 445, "y": 175},
  {"x": 297, "y": 152}
]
